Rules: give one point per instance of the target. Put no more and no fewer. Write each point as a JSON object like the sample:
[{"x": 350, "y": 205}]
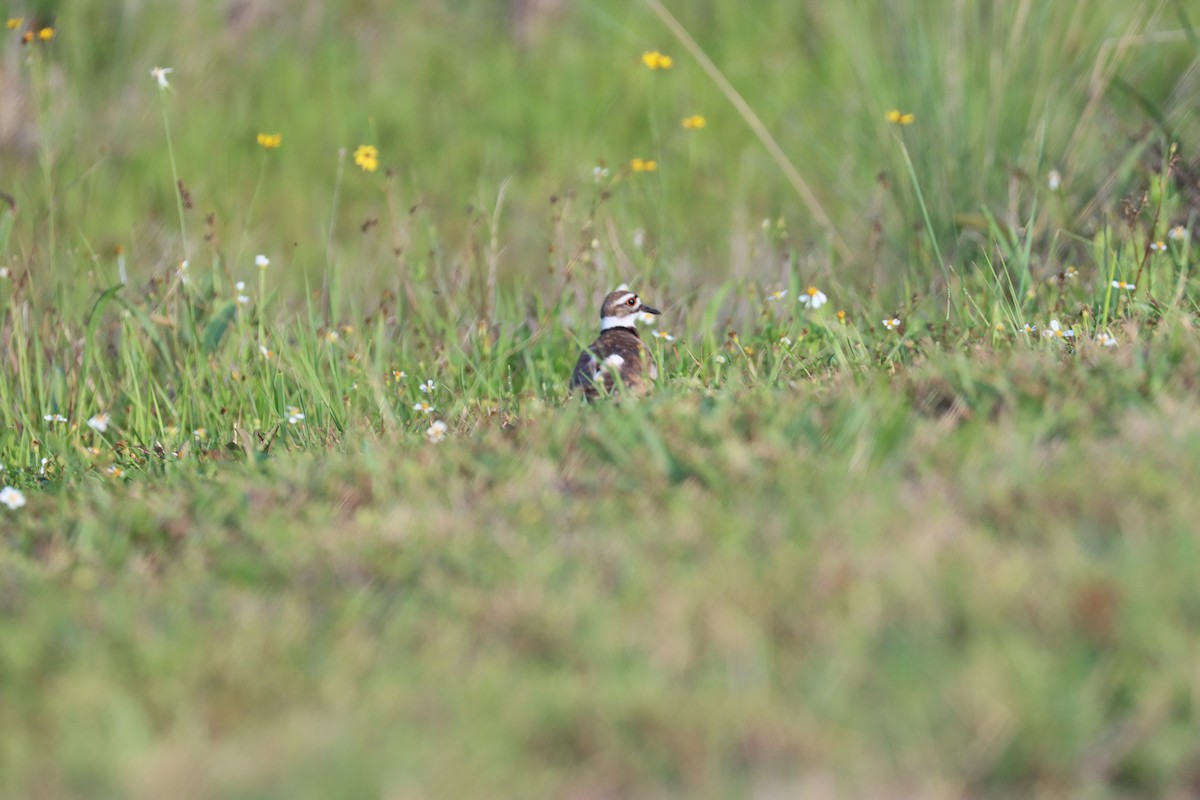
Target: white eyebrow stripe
[{"x": 625, "y": 298}]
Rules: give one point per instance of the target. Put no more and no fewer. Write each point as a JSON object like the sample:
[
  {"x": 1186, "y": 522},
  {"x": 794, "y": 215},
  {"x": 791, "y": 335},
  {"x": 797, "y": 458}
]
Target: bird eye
[{"x": 631, "y": 302}]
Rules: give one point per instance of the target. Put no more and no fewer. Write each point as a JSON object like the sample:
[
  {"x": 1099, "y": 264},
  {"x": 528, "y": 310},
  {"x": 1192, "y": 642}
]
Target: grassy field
[{"x": 296, "y": 502}]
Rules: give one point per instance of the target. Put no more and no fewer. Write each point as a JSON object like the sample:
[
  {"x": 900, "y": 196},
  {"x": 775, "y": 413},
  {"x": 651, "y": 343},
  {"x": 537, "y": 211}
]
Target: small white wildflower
[
  {"x": 13, "y": 498},
  {"x": 1056, "y": 331},
  {"x": 262, "y": 261},
  {"x": 720, "y": 359},
  {"x": 264, "y": 352},
  {"x": 52, "y": 418},
  {"x": 437, "y": 431},
  {"x": 115, "y": 471},
  {"x": 99, "y": 422},
  {"x": 785, "y": 341},
  {"x": 199, "y": 433},
  {"x": 1178, "y": 232},
  {"x": 813, "y": 298},
  {"x": 160, "y": 74},
  {"x": 4, "y": 273},
  {"x": 332, "y": 336},
  {"x": 1030, "y": 328},
  {"x": 294, "y": 415},
  {"x": 427, "y": 386},
  {"x": 1158, "y": 246},
  {"x": 243, "y": 298},
  {"x": 1054, "y": 180},
  {"x": 892, "y": 323},
  {"x": 423, "y": 407},
  {"x": 42, "y": 471},
  {"x": 240, "y": 286},
  {"x": 662, "y": 335},
  {"x": 1129, "y": 287},
  {"x": 599, "y": 172},
  {"x": 1106, "y": 339},
  {"x": 647, "y": 319},
  {"x": 779, "y": 295}
]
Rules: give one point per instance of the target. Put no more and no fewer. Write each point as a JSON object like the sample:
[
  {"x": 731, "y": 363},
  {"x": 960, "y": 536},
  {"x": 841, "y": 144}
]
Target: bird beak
[{"x": 645, "y": 309}]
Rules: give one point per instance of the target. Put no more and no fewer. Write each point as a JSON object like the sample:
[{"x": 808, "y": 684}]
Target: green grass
[{"x": 823, "y": 557}]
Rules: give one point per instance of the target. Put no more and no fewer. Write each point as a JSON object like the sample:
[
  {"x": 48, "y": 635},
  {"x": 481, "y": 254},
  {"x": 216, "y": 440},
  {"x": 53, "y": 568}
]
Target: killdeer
[{"x": 618, "y": 351}]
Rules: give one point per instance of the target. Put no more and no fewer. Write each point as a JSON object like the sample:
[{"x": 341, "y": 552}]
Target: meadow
[{"x": 296, "y": 502}]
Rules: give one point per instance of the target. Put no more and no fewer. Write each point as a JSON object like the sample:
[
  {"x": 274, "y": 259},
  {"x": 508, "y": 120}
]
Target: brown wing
[{"x": 583, "y": 376}]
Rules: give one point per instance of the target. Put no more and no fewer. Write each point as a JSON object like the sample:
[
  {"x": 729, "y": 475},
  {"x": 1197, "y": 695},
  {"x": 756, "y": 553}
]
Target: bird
[{"x": 618, "y": 351}]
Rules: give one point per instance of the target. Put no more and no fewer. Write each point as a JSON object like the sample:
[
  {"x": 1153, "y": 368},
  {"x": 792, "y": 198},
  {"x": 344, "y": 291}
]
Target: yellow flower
[
  {"x": 693, "y": 123},
  {"x": 13, "y": 23},
  {"x": 367, "y": 157},
  {"x": 656, "y": 60},
  {"x": 46, "y": 34},
  {"x": 894, "y": 116},
  {"x": 270, "y": 141},
  {"x": 643, "y": 165}
]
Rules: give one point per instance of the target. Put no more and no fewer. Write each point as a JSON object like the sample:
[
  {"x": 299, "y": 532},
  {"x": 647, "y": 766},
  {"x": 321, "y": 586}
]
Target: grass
[{"x": 825, "y": 556}]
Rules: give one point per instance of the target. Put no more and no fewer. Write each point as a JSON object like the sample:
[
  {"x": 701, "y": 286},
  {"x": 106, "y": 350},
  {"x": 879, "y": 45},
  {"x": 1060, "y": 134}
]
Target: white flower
[
  {"x": 1129, "y": 287},
  {"x": 662, "y": 335},
  {"x": 42, "y": 471},
  {"x": 1054, "y": 180},
  {"x": 813, "y": 298},
  {"x": 12, "y": 498},
  {"x": 599, "y": 172},
  {"x": 1056, "y": 331},
  {"x": 427, "y": 386},
  {"x": 240, "y": 286},
  {"x": 720, "y": 359},
  {"x": 160, "y": 74},
  {"x": 437, "y": 431},
  {"x": 892, "y": 323},
  {"x": 785, "y": 341},
  {"x": 1178, "y": 232},
  {"x": 262, "y": 261},
  {"x": 54, "y": 418},
  {"x": 99, "y": 422},
  {"x": 4, "y": 273},
  {"x": 1030, "y": 328},
  {"x": 294, "y": 415},
  {"x": 1106, "y": 339},
  {"x": 423, "y": 407},
  {"x": 779, "y": 295},
  {"x": 264, "y": 352},
  {"x": 1158, "y": 246},
  {"x": 647, "y": 319},
  {"x": 243, "y": 298},
  {"x": 199, "y": 433}
]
